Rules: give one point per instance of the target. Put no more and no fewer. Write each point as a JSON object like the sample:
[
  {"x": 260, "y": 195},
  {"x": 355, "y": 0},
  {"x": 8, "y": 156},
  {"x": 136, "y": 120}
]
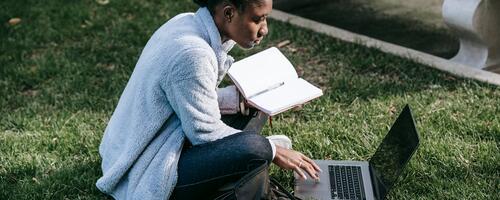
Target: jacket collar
[{"x": 212, "y": 36}]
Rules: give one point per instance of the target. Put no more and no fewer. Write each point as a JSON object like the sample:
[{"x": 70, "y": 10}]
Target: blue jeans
[{"x": 203, "y": 169}]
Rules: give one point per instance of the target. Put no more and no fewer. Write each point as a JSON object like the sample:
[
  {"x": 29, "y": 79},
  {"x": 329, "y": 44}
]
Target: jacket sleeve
[
  {"x": 229, "y": 100},
  {"x": 191, "y": 90}
]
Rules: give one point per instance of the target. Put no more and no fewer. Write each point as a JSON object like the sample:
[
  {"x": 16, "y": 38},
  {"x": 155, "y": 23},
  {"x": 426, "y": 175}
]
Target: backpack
[{"x": 255, "y": 185}]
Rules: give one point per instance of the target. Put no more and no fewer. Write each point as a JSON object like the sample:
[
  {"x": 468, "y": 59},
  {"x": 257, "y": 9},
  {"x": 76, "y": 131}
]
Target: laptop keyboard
[{"x": 346, "y": 182}]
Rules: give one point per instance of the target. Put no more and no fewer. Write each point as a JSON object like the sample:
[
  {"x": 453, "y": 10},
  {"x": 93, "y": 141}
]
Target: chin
[{"x": 248, "y": 45}]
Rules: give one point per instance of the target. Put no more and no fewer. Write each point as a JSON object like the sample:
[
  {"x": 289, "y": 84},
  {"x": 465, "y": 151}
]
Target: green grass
[{"x": 63, "y": 68}]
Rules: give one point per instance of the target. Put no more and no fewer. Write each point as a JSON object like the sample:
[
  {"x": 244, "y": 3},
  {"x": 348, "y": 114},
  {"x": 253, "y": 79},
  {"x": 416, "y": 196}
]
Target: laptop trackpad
[{"x": 310, "y": 188}]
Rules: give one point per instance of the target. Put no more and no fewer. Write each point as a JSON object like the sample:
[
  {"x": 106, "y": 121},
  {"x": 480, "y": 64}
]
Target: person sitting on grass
[{"x": 166, "y": 138}]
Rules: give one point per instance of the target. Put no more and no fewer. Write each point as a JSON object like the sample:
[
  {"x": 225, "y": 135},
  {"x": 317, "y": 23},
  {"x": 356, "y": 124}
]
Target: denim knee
[{"x": 254, "y": 146}]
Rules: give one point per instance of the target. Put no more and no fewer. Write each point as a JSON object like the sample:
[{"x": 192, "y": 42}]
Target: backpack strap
[
  {"x": 275, "y": 185},
  {"x": 254, "y": 185}
]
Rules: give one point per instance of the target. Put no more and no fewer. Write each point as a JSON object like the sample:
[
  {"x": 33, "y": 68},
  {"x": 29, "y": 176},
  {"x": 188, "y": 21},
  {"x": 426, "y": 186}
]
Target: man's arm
[{"x": 191, "y": 91}]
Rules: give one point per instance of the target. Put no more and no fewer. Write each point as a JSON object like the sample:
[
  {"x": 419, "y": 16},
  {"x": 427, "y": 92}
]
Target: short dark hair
[{"x": 240, "y": 4}]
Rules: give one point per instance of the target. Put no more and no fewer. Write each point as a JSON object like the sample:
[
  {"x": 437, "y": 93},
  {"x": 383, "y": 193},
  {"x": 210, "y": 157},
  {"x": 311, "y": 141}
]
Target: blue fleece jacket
[{"x": 171, "y": 96}]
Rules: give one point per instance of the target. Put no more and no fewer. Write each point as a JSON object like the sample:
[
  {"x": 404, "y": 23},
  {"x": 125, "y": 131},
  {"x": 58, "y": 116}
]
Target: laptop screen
[{"x": 394, "y": 152}]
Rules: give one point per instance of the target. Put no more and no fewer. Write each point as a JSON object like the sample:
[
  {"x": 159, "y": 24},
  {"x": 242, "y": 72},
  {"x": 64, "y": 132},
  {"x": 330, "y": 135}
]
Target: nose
[{"x": 263, "y": 31}]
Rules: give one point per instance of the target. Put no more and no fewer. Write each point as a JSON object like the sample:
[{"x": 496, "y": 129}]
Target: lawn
[{"x": 64, "y": 66}]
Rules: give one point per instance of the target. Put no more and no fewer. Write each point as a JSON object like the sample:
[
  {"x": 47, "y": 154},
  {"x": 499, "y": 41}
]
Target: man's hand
[{"x": 296, "y": 161}]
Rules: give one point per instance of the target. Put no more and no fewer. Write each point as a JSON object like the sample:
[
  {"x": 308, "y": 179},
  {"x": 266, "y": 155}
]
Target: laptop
[{"x": 368, "y": 180}]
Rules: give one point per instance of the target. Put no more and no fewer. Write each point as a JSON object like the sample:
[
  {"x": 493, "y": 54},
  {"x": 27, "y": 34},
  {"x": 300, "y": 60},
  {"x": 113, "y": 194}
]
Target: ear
[{"x": 229, "y": 11}]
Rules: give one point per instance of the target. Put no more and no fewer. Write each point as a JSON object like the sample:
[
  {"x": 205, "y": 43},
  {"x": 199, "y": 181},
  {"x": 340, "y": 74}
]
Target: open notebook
[{"x": 269, "y": 82}]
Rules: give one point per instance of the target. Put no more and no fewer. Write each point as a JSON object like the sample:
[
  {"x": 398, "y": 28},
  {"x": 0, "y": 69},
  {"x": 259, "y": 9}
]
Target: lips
[{"x": 258, "y": 40}]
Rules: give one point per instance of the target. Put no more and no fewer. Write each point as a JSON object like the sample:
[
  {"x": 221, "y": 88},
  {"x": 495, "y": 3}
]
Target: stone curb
[{"x": 420, "y": 57}]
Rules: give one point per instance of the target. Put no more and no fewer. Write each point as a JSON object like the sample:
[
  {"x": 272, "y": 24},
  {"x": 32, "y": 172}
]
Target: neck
[{"x": 219, "y": 22}]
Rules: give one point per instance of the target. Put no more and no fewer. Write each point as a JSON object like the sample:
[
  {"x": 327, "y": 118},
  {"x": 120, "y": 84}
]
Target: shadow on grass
[{"x": 373, "y": 74}]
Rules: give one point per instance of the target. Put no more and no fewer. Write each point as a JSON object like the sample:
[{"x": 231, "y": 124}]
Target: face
[{"x": 247, "y": 28}]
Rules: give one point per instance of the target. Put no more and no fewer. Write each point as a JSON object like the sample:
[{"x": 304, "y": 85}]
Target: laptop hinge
[{"x": 379, "y": 188}]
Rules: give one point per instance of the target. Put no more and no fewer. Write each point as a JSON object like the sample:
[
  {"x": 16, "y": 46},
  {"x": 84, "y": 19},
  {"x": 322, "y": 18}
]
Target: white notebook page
[
  {"x": 261, "y": 71},
  {"x": 292, "y": 93}
]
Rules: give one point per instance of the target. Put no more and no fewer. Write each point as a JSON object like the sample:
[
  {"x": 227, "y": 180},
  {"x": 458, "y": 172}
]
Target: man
[{"x": 166, "y": 138}]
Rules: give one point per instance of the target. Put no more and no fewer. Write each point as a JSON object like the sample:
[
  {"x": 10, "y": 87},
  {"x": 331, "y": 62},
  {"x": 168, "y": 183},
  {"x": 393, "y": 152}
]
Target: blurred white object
[{"x": 477, "y": 24}]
